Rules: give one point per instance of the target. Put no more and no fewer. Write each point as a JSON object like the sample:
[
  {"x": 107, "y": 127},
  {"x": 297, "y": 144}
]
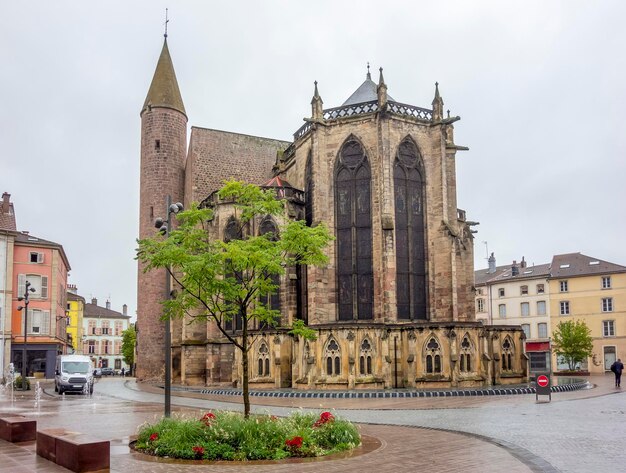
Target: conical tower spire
[
  {"x": 437, "y": 104},
  {"x": 317, "y": 111},
  {"x": 164, "y": 91}
]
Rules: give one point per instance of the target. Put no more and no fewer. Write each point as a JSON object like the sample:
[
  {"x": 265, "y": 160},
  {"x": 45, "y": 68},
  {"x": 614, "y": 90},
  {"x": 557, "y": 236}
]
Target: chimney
[
  {"x": 125, "y": 309},
  {"x": 523, "y": 263},
  {"x": 108, "y": 305},
  {"x": 6, "y": 197},
  {"x": 514, "y": 269},
  {"x": 492, "y": 264},
  {"x": 72, "y": 289},
  {"x": 94, "y": 301}
]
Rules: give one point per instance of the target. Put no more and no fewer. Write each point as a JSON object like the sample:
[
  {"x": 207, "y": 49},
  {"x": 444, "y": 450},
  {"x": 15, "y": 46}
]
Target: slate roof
[
  {"x": 367, "y": 92},
  {"x": 95, "y": 311},
  {"x": 503, "y": 273},
  {"x": 577, "y": 264}
]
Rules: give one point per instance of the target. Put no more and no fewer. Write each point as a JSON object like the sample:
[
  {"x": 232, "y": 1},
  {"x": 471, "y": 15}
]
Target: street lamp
[
  {"x": 28, "y": 289},
  {"x": 66, "y": 320},
  {"x": 165, "y": 228}
]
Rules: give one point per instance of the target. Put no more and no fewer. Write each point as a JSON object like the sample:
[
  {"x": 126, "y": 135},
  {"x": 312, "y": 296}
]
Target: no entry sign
[
  {"x": 543, "y": 380},
  {"x": 543, "y": 385}
]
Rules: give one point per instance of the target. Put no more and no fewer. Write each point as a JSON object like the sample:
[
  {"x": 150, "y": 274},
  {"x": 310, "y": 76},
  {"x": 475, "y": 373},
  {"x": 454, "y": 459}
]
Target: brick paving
[{"x": 577, "y": 432}]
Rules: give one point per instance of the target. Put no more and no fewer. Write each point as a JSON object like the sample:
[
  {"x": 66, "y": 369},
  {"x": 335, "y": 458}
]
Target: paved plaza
[{"x": 579, "y": 431}]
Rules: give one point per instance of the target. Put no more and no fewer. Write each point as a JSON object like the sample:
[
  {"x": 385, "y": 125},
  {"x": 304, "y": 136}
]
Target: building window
[
  {"x": 608, "y": 328},
  {"x": 333, "y": 358},
  {"x": 525, "y": 306},
  {"x": 523, "y": 290},
  {"x": 409, "y": 183},
  {"x": 38, "y": 322},
  {"x": 466, "y": 355},
  {"x": 479, "y": 292},
  {"x": 607, "y": 304},
  {"x": 501, "y": 292},
  {"x": 353, "y": 218},
  {"x": 507, "y": 354},
  {"x": 563, "y": 286},
  {"x": 526, "y": 329},
  {"x": 37, "y": 282},
  {"x": 541, "y": 307},
  {"x": 91, "y": 346},
  {"x": 606, "y": 282},
  {"x": 542, "y": 330},
  {"x": 564, "y": 305},
  {"x": 271, "y": 300},
  {"x": 263, "y": 360},
  {"x": 502, "y": 310},
  {"x": 480, "y": 305},
  {"x": 540, "y": 289},
  {"x": 365, "y": 360},
  {"x": 35, "y": 257},
  {"x": 433, "y": 357}
]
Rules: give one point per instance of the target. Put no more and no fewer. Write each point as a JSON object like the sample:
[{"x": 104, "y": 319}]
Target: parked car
[
  {"x": 108, "y": 372},
  {"x": 97, "y": 372}
]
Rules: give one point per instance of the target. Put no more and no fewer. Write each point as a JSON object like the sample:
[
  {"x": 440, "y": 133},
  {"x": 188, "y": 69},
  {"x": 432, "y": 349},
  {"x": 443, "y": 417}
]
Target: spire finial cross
[{"x": 166, "y": 22}]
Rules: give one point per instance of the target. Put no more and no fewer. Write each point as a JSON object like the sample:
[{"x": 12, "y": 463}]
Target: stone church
[{"x": 394, "y": 308}]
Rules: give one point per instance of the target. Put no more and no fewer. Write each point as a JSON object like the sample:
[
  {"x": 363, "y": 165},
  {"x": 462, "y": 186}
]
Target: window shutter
[
  {"x": 21, "y": 285},
  {"x": 44, "y": 322},
  {"x": 31, "y": 317},
  {"x": 44, "y": 287},
  {"x": 39, "y": 257},
  {"x": 85, "y": 347}
]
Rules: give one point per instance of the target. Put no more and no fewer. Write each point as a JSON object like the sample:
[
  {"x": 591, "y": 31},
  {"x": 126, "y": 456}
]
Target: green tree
[
  {"x": 572, "y": 342},
  {"x": 129, "y": 340},
  {"x": 223, "y": 280}
]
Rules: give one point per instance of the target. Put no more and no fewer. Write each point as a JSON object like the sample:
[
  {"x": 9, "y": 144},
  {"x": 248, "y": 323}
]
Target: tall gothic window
[
  {"x": 365, "y": 358},
  {"x": 272, "y": 301},
  {"x": 301, "y": 270},
  {"x": 232, "y": 231},
  {"x": 408, "y": 182},
  {"x": 466, "y": 355},
  {"x": 263, "y": 360},
  {"x": 355, "y": 279},
  {"x": 507, "y": 355}
]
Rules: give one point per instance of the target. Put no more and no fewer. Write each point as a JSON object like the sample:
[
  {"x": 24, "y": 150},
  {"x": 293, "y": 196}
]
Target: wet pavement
[{"x": 579, "y": 431}]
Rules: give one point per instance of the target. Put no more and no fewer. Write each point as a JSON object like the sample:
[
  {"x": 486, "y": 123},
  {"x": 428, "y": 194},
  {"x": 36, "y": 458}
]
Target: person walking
[
  {"x": 123, "y": 372},
  {"x": 617, "y": 368}
]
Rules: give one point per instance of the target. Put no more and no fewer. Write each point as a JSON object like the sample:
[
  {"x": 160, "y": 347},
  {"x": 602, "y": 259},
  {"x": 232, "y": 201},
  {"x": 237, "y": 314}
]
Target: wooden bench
[
  {"x": 14, "y": 428},
  {"x": 73, "y": 450}
]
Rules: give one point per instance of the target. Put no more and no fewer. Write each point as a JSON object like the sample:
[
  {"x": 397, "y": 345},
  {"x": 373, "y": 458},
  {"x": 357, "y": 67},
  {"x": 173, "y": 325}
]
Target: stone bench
[
  {"x": 73, "y": 450},
  {"x": 14, "y": 428}
]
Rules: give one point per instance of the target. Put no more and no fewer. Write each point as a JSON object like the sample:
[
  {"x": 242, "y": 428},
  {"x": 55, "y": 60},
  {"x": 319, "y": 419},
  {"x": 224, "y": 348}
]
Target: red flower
[
  {"x": 207, "y": 418},
  {"x": 198, "y": 451},
  {"x": 154, "y": 437},
  {"x": 325, "y": 417},
  {"x": 273, "y": 418},
  {"x": 294, "y": 443}
]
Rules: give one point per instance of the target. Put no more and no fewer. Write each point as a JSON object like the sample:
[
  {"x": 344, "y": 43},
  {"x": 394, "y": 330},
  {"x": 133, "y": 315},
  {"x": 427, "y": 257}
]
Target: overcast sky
[{"x": 540, "y": 87}]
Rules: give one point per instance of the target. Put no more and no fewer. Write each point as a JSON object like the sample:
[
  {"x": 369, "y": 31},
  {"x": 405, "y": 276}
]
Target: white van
[{"x": 73, "y": 373}]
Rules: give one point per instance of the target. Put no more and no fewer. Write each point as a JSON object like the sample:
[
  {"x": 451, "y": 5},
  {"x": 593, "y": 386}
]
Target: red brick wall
[{"x": 162, "y": 174}]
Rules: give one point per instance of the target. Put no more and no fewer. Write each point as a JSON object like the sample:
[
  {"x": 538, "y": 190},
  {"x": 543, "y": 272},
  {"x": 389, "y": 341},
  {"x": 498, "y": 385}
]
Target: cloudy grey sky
[{"x": 539, "y": 86}]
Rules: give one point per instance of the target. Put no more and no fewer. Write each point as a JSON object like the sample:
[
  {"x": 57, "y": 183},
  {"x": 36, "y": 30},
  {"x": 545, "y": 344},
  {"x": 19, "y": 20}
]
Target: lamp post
[
  {"x": 164, "y": 228},
  {"x": 66, "y": 320},
  {"x": 25, "y": 298}
]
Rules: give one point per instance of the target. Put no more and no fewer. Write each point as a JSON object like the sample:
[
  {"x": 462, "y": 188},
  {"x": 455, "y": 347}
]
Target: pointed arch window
[
  {"x": 355, "y": 277},
  {"x": 332, "y": 355},
  {"x": 272, "y": 301},
  {"x": 263, "y": 360},
  {"x": 466, "y": 355},
  {"x": 301, "y": 270},
  {"x": 232, "y": 231},
  {"x": 507, "y": 355},
  {"x": 365, "y": 358},
  {"x": 432, "y": 352},
  {"x": 408, "y": 183}
]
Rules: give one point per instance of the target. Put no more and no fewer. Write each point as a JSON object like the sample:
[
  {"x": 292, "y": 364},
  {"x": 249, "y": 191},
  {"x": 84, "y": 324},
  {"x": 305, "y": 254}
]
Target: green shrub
[
  {"x": 17, "y": 383},
  {"x": 229, "y": 436}
]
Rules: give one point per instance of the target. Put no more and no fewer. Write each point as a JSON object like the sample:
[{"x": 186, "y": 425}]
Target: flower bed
[{"x": 229, "y": 436}]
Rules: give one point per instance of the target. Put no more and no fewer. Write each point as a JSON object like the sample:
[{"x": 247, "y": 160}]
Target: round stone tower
[{"x": 163, "y": 151}]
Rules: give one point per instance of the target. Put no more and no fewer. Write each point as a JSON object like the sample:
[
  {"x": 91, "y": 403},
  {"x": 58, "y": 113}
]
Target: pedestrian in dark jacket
[{"x": 617, "y": 368}]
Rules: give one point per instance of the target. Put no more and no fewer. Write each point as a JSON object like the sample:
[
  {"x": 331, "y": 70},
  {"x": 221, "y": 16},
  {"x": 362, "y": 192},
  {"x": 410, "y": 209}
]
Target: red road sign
[{"x": 542, "y": 381}]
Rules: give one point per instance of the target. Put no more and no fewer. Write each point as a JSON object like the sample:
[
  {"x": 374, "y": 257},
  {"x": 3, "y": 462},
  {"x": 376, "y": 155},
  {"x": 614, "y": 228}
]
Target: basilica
[{"x": 394, "y": 307}]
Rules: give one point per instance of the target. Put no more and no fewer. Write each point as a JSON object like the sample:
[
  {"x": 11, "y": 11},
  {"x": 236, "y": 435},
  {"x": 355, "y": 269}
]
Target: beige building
[{"x": 594, "y": 291}]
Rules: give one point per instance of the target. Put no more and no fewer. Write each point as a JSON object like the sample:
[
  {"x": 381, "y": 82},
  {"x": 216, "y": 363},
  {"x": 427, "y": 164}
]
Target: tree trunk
[{"x": 244, "y": 367}]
